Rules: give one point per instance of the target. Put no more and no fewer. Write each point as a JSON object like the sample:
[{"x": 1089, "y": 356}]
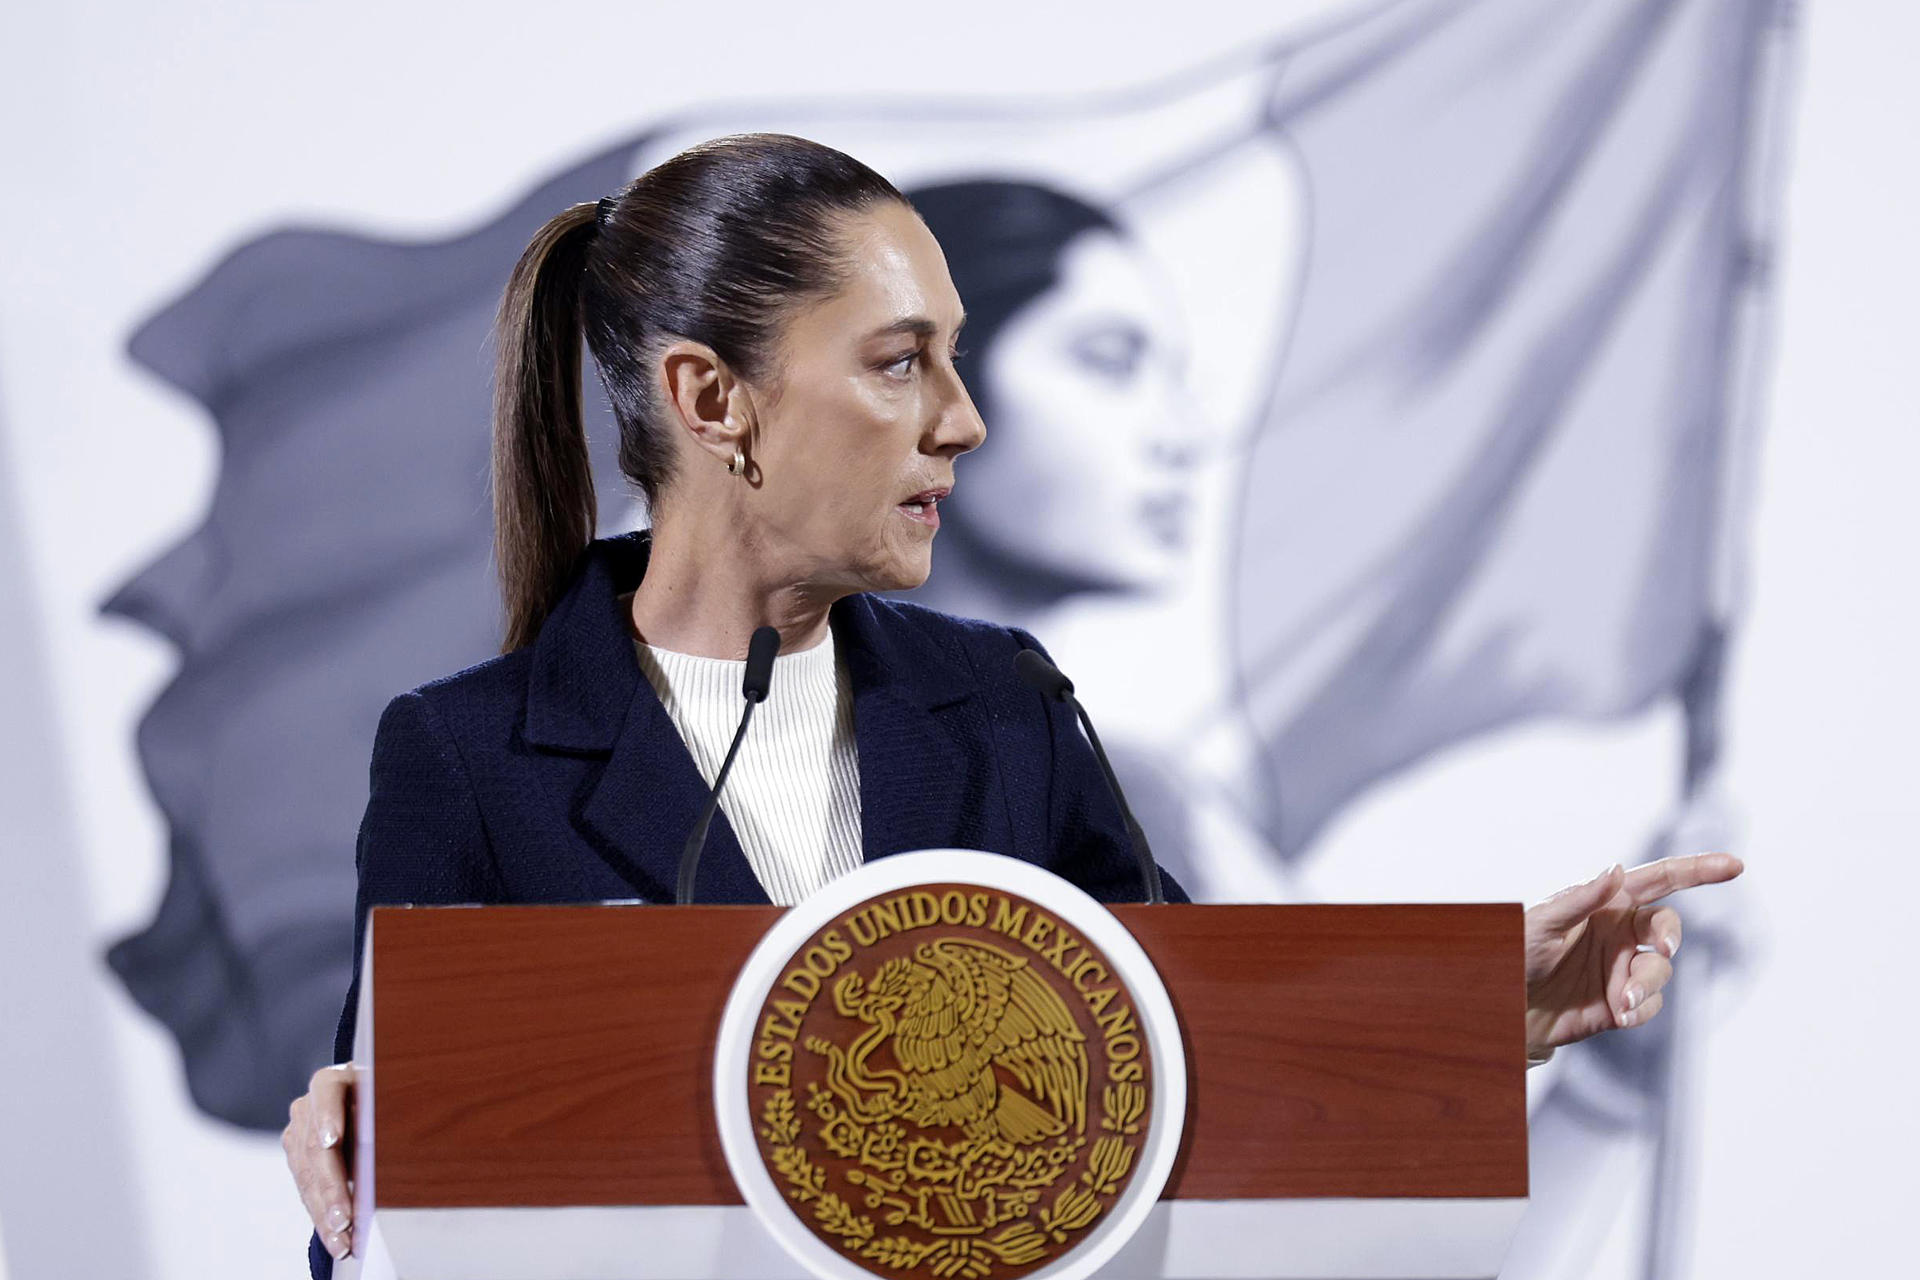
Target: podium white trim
[{"x": 1306, "y": 1239}]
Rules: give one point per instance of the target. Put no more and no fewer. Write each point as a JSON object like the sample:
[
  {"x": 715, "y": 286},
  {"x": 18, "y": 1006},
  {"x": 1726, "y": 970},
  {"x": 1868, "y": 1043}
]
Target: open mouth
[{"x": 924, "y": 507}]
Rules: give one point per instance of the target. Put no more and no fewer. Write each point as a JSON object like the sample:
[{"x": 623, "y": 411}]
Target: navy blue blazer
[{"x": 553, "y": 773}]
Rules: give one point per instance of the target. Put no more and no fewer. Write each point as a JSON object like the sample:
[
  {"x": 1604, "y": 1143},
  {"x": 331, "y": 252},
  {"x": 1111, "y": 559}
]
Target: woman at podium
[{"x": 776, "y": 329}]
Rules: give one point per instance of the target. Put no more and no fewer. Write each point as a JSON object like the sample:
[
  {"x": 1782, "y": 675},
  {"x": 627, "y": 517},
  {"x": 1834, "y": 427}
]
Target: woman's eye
[
  {"x": 911, "y": 356},
  {"x": 1114, "y": 352}
]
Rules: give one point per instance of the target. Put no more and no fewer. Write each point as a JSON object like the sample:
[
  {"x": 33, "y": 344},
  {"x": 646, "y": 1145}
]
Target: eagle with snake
[{"x": 956, "y": 1014}]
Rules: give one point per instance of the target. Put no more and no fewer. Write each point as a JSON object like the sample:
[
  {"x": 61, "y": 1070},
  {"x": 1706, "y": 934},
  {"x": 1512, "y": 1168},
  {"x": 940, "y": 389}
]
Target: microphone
[
  {"x": 1049, "y": 680},
  {"x": 754, "y": 686}
]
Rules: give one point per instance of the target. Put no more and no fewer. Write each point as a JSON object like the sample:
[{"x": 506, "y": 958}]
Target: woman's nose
[
  {"x": 974, "y": 428},
  {"x": 961, "y": 427},
  {"x": 1175, "y": 448}
]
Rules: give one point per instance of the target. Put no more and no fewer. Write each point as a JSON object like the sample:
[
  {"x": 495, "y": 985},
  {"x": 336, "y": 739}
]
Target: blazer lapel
[
  {"x": 586, "y": 696},
  {"x": 912, "y": 768},
  {"x": 645, "y": 803}
]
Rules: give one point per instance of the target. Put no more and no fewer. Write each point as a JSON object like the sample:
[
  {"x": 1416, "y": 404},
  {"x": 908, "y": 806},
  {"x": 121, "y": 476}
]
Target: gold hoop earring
[{"x": 738, "y": 466}]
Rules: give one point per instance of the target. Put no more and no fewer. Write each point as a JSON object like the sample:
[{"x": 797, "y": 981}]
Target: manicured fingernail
[
  {"x": 337, "y": 1247},
  {"x": 1672, "y": 944},
  {"x": 328, "y": 1136},
  {"x": 1627, "y": 1018},
  {"x": 337, "y": 1218},
  {"x": 1633, "y": 997}
]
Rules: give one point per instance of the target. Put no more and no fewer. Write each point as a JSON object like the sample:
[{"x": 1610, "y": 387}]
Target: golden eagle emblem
[
  {"x": 952, "y": 1012},
  {"x": 944, "y": 1090}
]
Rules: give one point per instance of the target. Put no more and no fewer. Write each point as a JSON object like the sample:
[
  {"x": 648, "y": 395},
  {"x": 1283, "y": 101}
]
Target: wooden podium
[{"x": 534, "y": 1096}]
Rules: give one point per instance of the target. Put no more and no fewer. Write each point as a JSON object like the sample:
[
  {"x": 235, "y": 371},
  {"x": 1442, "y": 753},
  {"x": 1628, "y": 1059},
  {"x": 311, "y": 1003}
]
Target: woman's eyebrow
[{"x": 918, "y": 326}]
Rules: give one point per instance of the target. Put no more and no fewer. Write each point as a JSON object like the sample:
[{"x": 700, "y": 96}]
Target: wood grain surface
[{"x": 561, "y": 1055}]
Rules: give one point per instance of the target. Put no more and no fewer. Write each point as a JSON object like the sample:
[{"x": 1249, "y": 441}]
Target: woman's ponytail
[{"x": 544, "y": 512}]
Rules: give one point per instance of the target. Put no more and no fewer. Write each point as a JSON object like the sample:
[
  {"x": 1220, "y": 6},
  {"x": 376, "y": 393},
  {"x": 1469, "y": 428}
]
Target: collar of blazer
[{"x": 586, "y": 696}]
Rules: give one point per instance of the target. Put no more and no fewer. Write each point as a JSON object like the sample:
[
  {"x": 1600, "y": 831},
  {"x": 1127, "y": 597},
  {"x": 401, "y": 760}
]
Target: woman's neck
[{"x": 709, "y": 603}]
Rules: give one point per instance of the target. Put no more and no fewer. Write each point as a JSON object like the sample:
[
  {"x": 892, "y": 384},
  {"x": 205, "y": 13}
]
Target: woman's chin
[
  {"x": 914, "y": 577},
  {"x": 904, "y": 570},
  {"x": 1139, "y": 562},
  {"x": 1118, "y": 566}
]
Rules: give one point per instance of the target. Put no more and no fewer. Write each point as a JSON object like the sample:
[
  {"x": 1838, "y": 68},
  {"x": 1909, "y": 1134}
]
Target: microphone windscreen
[
  {"x": 1042, "y": 675},
  {"x": 760, "y": 654}
]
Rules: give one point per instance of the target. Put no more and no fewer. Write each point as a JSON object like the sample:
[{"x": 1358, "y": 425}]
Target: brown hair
[{"x": 717, "y": 244}]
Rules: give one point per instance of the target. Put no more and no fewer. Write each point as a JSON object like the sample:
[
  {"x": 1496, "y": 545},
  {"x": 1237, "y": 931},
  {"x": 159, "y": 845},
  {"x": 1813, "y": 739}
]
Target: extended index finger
[{"x": 1656, "y": 880}]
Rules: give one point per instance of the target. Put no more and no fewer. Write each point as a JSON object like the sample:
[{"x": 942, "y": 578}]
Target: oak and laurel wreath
[{"x": 1024, "y": 1242}]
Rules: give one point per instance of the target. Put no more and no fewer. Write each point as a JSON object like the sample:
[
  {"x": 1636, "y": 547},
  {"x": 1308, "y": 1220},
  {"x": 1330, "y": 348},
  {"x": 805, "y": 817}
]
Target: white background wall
[{"x": 142, "y": 141}]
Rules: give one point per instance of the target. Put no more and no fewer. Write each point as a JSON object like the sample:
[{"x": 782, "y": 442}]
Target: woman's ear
[{"x": 706, "y": 400}]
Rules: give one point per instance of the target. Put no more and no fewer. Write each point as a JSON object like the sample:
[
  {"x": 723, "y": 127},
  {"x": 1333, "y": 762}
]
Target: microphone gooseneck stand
[
  {"x": 1048, "y": 679},
  {"x": 754, "y": 686}
]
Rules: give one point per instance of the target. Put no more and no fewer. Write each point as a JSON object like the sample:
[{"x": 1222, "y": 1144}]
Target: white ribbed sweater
[{"x": 793, "y": 797}]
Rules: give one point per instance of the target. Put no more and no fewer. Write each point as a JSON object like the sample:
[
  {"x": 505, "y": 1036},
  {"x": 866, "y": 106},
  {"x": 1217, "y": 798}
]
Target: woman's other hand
[
  {"x": 314, "y": 1141},
  {"x": 1598, "y": 954}
]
